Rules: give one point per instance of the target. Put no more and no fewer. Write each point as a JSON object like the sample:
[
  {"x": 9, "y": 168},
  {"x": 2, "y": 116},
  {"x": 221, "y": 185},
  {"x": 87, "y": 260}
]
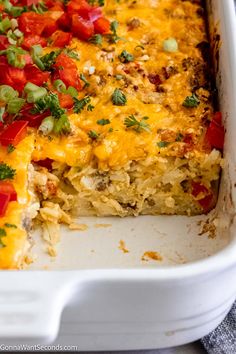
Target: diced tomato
[
  {"x": 11, "y": 76},
  {"x": 54, "y": 3},
  {"x": 66, "y": 70},
  {"x": 64, "y": 22},
  {"x": 28, "y": 59},
  {"x": 3, "y": 42},
  {"x": 35, "y": 75},
  {"x": 47, "y": 163},
  {"x": 14, "y": 133},
  {"x": 95, "y": 13},
  {"x": 80, "y": 7},
  {"x": 29, "y": 2},
  {"x": 7, "y": 187},
  {"x": 61, "y": 39},
  {"x": 206, "y": 200},
  {"x": 101, "y": 25},
  {"x": 50, "y": 26},
  {"x": 66, "y": 101},
  {"x": 4, "y": 201},
  {"x": 31, "y": 40},
  {"x": 215, "y": 134},
  {"x": 31, "y": 23},
  {"x": 82, "y": 28},
  {"x": 34, "y": 120}
]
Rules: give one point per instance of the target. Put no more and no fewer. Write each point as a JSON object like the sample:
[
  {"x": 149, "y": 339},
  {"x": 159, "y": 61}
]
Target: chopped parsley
[
  {"x": 10, "y": 148},
  {"x": 80, "y": 104},
  {"x": 96, "y": 39},
  {"x": 118, "y": 98},
  {"x": 2, "y": 234},
  {"x": 90, "y": 107},
  {"x": 191, "y": 101},
  {"x": 113, "y": 36},
  {"x": 162, "y": 144},
  {"x": 137, "y": 125},
  {"x": 13, "y": 226},
  {"x": 103, "y": 121},
  {"x": 83, "y": 78},
  {"x": 93, "y": 134},
  {"x": 49, "y": 59},
  {"x": 126, "y": 57},
  {"x": 50, "y": 102},
  {"x": 6, "y": 172},
  {"x": 71, "y": 53},
  {"x": 179, "y": 137},
  {"x": 99, "y": 2}
]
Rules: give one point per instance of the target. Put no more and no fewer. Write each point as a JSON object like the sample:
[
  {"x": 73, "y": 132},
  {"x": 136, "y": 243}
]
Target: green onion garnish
[
  {"x": 15, "y": 105},
  {"x": 60, "y": 86},
  {"x": 7, "y": 93},
  {"x": 47, "y": 125}
]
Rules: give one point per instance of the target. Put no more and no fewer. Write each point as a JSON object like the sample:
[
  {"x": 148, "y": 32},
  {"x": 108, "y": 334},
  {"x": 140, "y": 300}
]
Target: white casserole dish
[{"x": 98, "y": 298}]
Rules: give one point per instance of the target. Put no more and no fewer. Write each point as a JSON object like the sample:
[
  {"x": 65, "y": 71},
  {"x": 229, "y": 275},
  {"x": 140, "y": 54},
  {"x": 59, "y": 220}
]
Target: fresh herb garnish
[
  {"x": 137, "y": 125},
  {"x": 6, "y": 172},
  {"x": 80, "y": 104},
  {"x": 71, "y": 53},
  {"x": 13, "y": 226},
  {"x": 118, "y": 98},
  {"x": 103, "y": 121},
  {"x": 179, "y": 137},
  {"x": 2, "y": 111},
  {"x": 162, "y": 144},
  {"x": 113, "y": 37},
  {"x": 90, "y": 107},
  {"x": 62, "y": 125},
  {"x": 191, "y": 101},
  {"x": 10, "y": 148},
  {"x": 2, "y": 234},
  {"x": 40, "y": 8},
  {"x": 50, "y": 102},
  {"x": 93, "y": 134},
  {"x": 83, "y": 78},
  {"x": 126, "y": 57},
  {"x": 15, "y": 56},
  {"x": 49, "y": 59},
  {"x": 96, "y": 39}
]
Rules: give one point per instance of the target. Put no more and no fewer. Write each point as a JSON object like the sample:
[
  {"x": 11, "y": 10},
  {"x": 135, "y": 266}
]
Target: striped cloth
[{"x": 223, "y": 339}]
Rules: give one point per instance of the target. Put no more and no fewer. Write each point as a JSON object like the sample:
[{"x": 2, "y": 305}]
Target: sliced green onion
[
  {"x": 38, "y": 62},
  {"x": 5, "y": 25},
  {"x": 72, "y": 91},
  {"x": 59, "y": 86},
  {"x": 15, "y": 105},
  {"x": 7, "y": 93},
  {"x": 18, "y": 33},
  {"x": 36, "y": 95},
  {"x": 170, "y": 45},
  {"x": 2, "y": 111},
  {"x": 47, "y": 125},
  {"x": 14, "y": 23},
  {"x": 62, "y": 125},
  {"x": 30, "y": 87},
  {"x": 15, "y": 60},
  {"x": 37, "y": 49}
]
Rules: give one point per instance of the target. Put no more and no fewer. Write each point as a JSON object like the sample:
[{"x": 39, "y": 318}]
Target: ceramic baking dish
[{"x": 98, "y": 297}]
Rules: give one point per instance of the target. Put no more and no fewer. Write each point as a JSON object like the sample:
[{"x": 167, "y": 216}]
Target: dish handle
[{"x": 31, "y": 304}]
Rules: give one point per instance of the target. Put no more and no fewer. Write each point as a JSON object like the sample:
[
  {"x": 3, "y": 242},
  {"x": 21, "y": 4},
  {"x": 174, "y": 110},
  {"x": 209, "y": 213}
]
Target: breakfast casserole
[{"x": 107, "y": 109}]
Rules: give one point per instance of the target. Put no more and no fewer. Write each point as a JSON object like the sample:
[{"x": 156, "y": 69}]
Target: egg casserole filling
[{"x": 106, "y": 108}]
